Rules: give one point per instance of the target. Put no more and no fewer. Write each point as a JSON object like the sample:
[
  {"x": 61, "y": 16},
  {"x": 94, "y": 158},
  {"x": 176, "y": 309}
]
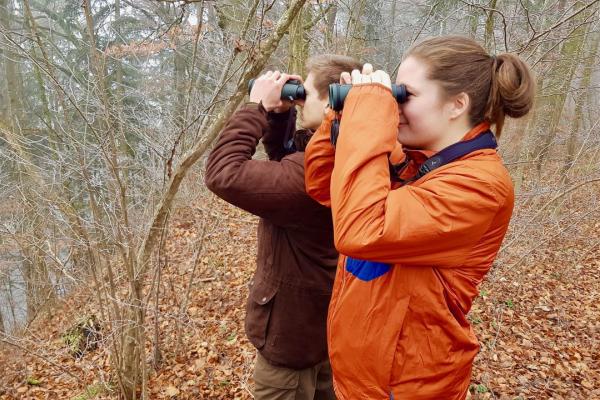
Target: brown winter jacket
[{"x": 289, "y": 295}]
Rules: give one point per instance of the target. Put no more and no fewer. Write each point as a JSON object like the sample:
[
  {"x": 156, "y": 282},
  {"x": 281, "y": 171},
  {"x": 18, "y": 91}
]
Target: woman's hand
[
  {"x": 267, "y": 89},
  {"x": 366, "y": 76}
]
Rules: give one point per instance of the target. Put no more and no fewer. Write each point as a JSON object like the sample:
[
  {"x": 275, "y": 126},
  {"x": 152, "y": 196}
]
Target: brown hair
[
  {"x": 496, "y": 85},
  {"x": 327, "y": 68}
]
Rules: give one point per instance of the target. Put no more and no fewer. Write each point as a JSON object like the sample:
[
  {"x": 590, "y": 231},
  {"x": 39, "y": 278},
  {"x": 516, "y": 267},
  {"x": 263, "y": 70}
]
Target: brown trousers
[{"x": 277, "y": 383}]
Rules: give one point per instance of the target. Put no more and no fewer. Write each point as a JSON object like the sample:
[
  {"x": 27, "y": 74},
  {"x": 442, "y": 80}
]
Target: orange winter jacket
[{"x": 411, "y": 257}]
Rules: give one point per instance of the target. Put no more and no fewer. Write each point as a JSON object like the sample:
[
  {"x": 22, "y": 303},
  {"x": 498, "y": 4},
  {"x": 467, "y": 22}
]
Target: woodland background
[{"x": 121, "y": 276}]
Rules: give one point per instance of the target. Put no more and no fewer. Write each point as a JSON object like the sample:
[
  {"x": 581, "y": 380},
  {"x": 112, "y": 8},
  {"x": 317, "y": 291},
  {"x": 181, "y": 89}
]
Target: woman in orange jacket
[{"x": 414, "y": 247}]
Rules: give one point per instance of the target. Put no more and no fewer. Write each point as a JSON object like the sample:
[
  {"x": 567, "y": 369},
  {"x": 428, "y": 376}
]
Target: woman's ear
[{"x": 460, "y": 105}]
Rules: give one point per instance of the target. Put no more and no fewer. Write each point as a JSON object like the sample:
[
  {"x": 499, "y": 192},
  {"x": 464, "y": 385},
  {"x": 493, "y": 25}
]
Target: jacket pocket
[
  {"x": 258, "y": 312},
  {"x": 297, "y": 330}
]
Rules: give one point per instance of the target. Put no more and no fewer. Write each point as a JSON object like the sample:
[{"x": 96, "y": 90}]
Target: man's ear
[{"x": 460, "y": 105}]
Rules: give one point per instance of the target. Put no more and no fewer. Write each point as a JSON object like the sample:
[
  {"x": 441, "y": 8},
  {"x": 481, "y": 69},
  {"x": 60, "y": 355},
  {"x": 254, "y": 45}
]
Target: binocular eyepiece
[{"x": 293, "y": 90}]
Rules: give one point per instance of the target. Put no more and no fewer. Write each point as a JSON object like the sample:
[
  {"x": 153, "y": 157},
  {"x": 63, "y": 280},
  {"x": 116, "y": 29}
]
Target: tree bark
[
  {"x": 299, "y": 42},
  {"x": 580, "y": 100},
  {"x": 560, "y": 83},
  {"x": 489, "y": 27}
]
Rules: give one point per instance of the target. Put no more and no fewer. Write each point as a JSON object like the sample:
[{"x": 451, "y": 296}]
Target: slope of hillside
[{"x": 538, "y": 321}]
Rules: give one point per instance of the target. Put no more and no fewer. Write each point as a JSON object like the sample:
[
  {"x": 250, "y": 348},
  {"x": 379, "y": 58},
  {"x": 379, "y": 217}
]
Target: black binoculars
[
  {"x": 293, "y": 90},
  {"x": 338, "y": 93}
]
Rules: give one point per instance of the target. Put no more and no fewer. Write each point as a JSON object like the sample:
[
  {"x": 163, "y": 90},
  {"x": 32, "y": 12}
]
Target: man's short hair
[{"x": 327, "y": 68}]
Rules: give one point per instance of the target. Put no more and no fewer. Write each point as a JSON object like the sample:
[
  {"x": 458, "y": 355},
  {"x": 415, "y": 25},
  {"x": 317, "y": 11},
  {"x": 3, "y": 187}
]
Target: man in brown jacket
[{"x": 289, "y": 295}]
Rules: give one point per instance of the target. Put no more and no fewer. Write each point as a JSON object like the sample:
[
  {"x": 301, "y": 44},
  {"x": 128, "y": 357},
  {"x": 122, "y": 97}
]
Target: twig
[
  {"x": 556, "y": 25},
  {"x": 496, "y": 11},
  {"x": 527, "y": 16}
]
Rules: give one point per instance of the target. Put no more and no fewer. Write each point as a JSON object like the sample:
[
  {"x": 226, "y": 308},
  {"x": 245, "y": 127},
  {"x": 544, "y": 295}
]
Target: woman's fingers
[
  {"x": 382, "y": 78},
  {"x": 357, "y": 77},
  {"x": 366, "y": 76},
  {"x": 345, "y": 78}
]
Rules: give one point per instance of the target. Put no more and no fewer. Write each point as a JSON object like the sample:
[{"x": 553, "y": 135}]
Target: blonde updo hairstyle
[{"x": 497, "y": 86}]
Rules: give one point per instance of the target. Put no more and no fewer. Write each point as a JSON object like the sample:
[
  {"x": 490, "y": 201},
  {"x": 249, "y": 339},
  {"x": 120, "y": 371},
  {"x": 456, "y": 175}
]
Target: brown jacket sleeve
[{"x": 273, "y": 190}]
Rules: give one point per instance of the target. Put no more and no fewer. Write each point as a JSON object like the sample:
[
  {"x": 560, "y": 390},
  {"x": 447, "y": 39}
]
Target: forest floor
[{"x": 537, "y": 319}]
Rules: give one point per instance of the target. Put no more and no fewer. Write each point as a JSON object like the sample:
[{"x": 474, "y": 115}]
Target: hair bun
[{"x": 516, "y": 85}]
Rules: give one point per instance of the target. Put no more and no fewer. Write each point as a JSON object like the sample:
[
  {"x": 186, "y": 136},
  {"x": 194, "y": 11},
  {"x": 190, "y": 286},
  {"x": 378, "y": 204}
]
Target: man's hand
[
  {"x": 267, "y": 89},
  {"x": 366, "y": 76}
]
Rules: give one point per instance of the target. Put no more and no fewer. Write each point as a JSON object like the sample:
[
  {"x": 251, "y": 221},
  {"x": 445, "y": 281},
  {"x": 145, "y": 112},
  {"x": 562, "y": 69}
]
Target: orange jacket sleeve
[
  {"x": 435, "y": 221},
  {"x": 318, "y": 162}
]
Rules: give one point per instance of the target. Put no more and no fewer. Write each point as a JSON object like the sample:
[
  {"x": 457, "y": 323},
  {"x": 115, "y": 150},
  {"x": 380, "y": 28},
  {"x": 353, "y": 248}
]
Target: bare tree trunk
[
  {"x": 528, "y": 143},
  {"x": 330, "y": 32},
  {"x": 299, "y": 42},
  {"x": 561, "y": 81},
  {"x": 355, "y": 39},
  {"x": 489, "y": 27},
  {"x": 389, "y": 61},
  {"x": 13, "y": 110},
  {"x": 2, "y": 328},
  {"x": 473, "y": 22},
  {"x": 179, "y": 81},
  {"x": 580, "y": 101}
]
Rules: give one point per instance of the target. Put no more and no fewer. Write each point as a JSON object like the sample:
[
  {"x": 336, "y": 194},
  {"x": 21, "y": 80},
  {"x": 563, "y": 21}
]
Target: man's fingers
[
  {"x": 283, "y": 78},
  {"x": 367, "y": 69}
]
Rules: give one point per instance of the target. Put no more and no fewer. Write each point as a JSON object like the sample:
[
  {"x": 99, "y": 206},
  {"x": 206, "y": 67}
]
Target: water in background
[
  {"x": 13, "y": 293},
  {"x": 13, "y": 300}
]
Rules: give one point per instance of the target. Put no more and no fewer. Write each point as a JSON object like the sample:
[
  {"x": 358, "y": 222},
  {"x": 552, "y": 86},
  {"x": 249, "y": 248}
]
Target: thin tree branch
[{"x": 536, "y": 36}]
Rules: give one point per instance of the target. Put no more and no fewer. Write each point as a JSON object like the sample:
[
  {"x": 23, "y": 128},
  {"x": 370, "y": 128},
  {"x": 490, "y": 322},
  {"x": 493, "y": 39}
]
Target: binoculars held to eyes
[
  {"x": 338, "y": 93},
  {"x": 293, "y": 90}
]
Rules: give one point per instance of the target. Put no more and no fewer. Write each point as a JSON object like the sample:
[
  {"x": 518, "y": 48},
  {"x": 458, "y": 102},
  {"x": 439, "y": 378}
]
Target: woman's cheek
[{"x": 407, "y": 111}]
